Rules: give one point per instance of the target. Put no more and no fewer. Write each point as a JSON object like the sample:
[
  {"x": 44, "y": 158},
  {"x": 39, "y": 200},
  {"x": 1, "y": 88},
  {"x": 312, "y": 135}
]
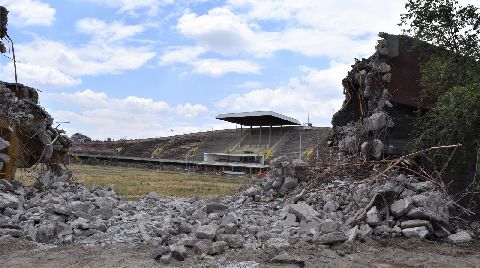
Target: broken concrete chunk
[
  {"x": 215, "y": 207},
  {"x": 4, "y": 158},
  {"x": 217, "y": 248},
  {"x": 162, "y": 250},
  {"x": 423, "y": 186},
  {"x": 415, "y": 223},
  {"x": 233, "y": 240},
  {"x": 288, "y": 184},
  {"x": 352, "y": 234},
  {"x": 420, "y": 232},
  {"x": 329, "y": 226},
  {"x": 8, "y": 201},
  {"x": 252, "y": 191},
  {"x": 303, "y": 211},
  {"x": 376, "y": 121},
  {"x": 179, "y": 252},
  {"x": 377, "y": 148},
  {"x": 372, "y": 217},
  {"x": 4, "y": 144},
  {"x": 206, "y": 231},
  {"x": 332, "y": 238},
  {"x": 460, "y": 237},
  {"x": 401, "y": 207},
  {"x": 277, "y": 243}
]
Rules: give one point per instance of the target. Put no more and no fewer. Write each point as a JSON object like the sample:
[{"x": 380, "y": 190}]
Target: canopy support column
[
  {"x": 241, "y": 136},
  {"x": 270, "y": 136},
  {"x": 250, "y": 142},
  {"x": 260, "y": 137}
]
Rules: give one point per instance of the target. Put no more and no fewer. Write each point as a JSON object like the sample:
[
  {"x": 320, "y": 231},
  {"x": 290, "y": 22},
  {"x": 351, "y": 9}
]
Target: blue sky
[{"x": 142, "y": 68}]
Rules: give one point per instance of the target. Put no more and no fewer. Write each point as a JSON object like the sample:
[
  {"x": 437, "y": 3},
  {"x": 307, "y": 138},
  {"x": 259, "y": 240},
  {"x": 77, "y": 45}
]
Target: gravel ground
[{"x": 398, "y": 252}]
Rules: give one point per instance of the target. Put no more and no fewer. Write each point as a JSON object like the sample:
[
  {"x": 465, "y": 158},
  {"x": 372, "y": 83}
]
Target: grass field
[{"x": 132, "y": 183}]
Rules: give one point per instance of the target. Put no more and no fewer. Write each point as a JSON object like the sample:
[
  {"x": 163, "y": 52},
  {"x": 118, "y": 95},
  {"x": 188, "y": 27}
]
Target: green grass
[
  {"x": 132, "y": 183},
  {"x": 135, "y": 182}
]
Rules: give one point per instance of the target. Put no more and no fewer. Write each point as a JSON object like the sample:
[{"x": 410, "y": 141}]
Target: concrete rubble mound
[{"x": 284, "y": 208}]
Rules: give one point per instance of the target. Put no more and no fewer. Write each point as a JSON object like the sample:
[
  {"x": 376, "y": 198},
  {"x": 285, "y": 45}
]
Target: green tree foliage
[
  {"x": 444, "y": 23},
  {"x": 450, "y": 75}
]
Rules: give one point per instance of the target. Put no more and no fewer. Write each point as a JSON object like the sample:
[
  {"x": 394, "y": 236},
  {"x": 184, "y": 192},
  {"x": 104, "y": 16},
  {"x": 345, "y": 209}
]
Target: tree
[
  {"x": 450, "y": 75},
  {"x": 444, "y": 23}
]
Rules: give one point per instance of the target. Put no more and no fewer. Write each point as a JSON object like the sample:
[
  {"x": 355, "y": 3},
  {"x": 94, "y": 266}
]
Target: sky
[{"x": 152, "y": 68}]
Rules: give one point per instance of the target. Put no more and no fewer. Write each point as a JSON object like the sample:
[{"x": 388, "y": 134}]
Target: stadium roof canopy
[{"x": 258, "y": 118}]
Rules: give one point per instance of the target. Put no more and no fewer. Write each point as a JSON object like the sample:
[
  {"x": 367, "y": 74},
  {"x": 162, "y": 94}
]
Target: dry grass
[{"x": 132, "y": 183}]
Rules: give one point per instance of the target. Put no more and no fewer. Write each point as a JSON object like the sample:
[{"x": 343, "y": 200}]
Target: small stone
[
  {"x": 303, "y": 211},
  {"x": 179, "y": 252},
  {"x": 329, "y": 226},
  {"x": 372, "y": 217},
  {"x": 352, "y": 234},
  {"x": 215, "y": 207},
  {"x": 11, "y": 232},
  {"x": 401, "y": 207},
  {"x": 4, "y": 144},
  {"x": 233, "y": 240},
  {"x": 420, "y": 232},
  {"x": 202, "y": 246},
  {"x": 218, "y": 247},
  {"x": 162, "y": 250},
  {"x": 252, "y": 191},
  {"x": 206, "y": 231},
  {"x": 332, "y": 238},
  {"x": 460, "y": 237},
  {"x": 277, "y": 243},
  {"x": 423, "y": 186},
  {"x": 364, "y": 231},
  {"x": 166, "y": 259},
  {"x": 415, "y": 223},
  {"x": 288, "y": 184}
]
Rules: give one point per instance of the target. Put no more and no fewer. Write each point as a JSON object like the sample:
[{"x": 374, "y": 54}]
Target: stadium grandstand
[{"x": 258, "y": 137}]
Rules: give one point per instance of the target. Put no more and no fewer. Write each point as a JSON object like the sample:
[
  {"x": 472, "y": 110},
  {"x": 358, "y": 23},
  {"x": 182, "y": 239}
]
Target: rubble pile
[
  {"x": 31, "y": 125},
  {"x": 367, "y": 86},
  {"x": 283, "y": 209}
]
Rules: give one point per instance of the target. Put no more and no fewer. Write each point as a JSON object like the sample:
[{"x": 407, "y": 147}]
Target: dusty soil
[{"x": 398, "y": 252}]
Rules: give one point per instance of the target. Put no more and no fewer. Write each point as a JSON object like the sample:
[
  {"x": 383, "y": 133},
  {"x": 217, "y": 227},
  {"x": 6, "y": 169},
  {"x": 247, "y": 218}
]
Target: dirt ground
[{"x": 398, "y": 252}]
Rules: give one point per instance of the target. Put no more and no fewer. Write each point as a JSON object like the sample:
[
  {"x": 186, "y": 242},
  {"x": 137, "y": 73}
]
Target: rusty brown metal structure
[{"x": 28, "y": 137}]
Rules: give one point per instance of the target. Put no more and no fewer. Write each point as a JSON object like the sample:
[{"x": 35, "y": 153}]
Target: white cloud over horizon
[
  {"x": 29, "y": 12},
  {"x": 100, "y": 116},
  {"x": 317, "y": 93}
]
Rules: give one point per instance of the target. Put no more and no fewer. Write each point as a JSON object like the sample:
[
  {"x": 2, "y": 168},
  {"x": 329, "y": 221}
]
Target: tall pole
[{"x": 300, "y": 152}]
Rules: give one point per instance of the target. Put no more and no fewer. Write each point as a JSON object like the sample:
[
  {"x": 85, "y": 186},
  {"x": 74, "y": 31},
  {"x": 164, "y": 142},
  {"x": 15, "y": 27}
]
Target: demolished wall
[
  {"x": 381, "y": 98},
  {"x": 27, "y": 134}
]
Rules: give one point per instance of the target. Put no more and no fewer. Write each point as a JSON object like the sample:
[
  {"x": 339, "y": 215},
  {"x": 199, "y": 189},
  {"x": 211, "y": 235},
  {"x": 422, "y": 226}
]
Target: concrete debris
[
  {"x": 332, "y": 238},
  {"x": 420, "y": 232},
  {"x": 4, "y": 144},
  {"x": 60, "y": 211},
  {"x": 460, "y": 237}
]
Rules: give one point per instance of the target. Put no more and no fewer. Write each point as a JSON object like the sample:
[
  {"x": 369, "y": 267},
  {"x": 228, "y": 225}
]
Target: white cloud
[
  {"x": 318, "y": 93},
  {"x": 37, "y": 76},
  {"x": 114, "y": 31},
  {"x": 29, "y": 12},
  {"x": 249, "y": 85},
  {"x": 190, "y": 110},
  {"x": 100, "y": 116},
  {"x": 151, "y": 7},
  {"x": 220, "y": 30},
  {"x": 313, "y": 28},
  {"x": 185, "y": 54},
  {"x": 54, "y": 63},
  {"x": 216, "y": 67}
]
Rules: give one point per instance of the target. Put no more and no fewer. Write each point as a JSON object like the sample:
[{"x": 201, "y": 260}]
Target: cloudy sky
[{"x": 148, "y": 68}]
